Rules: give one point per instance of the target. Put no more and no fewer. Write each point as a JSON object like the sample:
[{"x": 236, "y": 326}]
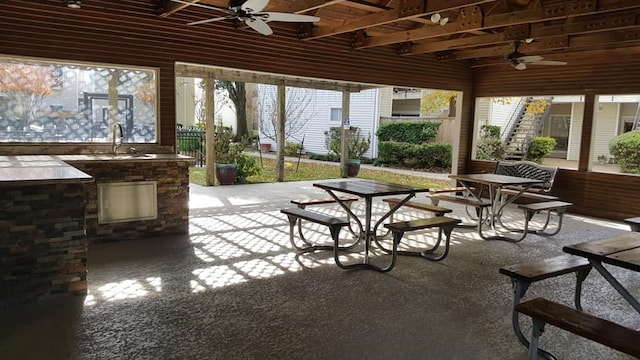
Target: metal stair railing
[
  {"x": 515, "y": 119},
  {"x": 636, "y": 121},
  {"x": 529, "y": 126},
  {"x": 539, "y": 120}
]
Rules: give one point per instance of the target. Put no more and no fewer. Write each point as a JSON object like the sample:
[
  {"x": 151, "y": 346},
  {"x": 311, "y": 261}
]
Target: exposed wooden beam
[
  {"x": 167, "y": 7},
  {"x": 469, "y": 19},
  {"x": 389, "y": 16},
  {"x": 616, "y": 21},
  {"x": 565, "y": 43},
  {"x": 201, "y": 71},
  {"x": 301, "y": 6},
  {"x": 366, "y": 5},
  {"x": 502, "y": 20}
]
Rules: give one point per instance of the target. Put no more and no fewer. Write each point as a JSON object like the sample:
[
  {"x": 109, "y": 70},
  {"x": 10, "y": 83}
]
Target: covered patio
[
  {"x": 234, "y": 288},
  {"x": 225, "y": 282}
]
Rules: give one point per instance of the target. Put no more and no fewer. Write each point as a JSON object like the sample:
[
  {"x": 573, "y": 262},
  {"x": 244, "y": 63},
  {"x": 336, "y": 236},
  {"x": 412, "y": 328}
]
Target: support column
[
  {"x": 280, "y": 133},
  {"x": 209, "y": 116},
  {"x": 344, "y": 135},
  {"x": 586, "y": 139}
]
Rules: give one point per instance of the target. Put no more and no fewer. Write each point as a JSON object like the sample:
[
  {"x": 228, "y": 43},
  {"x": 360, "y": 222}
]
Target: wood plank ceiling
[{"x": 477, "y": 32}]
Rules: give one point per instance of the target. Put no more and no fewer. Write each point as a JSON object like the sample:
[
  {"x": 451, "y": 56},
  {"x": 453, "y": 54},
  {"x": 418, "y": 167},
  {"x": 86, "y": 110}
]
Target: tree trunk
[{"x": 240, "y": 102}]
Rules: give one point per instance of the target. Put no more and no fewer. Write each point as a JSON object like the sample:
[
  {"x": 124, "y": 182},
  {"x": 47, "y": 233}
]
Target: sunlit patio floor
[{"x": 234, "y": 289}]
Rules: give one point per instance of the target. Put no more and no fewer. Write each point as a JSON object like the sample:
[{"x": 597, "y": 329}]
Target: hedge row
[
  {"x": 409, "y": 132},
  {"x": 427, "y": 155}
]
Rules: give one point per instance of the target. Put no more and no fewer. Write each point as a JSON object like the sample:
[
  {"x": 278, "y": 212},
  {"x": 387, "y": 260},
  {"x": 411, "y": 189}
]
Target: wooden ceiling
[{"x": 480, "y": 32}]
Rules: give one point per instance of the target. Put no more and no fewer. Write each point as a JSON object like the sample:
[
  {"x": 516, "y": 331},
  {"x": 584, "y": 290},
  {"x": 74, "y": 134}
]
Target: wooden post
[
  {"x": 586, "y": 138},
  {"x": 344, "y": 135},
  {"x": 210, "y": 151},
  {"x": 282, "y": 90}
]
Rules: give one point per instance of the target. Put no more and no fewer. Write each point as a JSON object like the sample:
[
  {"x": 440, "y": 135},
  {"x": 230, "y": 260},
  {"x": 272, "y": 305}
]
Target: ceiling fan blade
[
  {"x": 530, "y": 59},
  {"x": 210, "y": 7},
  {"x": 254, "y": 6},
  {"x": 548, "y": 62},
  {"x": 210, "y": 20},
  {"x": 259, "y": 26},
  {"x": 278, "y": 16}
]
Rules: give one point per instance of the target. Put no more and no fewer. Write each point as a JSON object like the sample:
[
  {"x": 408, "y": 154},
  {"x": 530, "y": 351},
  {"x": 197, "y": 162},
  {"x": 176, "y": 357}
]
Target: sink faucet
[{"x": 116, "y": 128}]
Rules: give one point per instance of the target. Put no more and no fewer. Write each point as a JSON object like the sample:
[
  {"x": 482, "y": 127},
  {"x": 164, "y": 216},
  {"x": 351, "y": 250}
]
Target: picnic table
[
  {"x": 495, "y": 183},
  {"x": 368, "y": 190}
]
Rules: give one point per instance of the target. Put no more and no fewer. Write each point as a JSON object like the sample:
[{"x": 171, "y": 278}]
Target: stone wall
[
  {"x": 172, "y": 178},
  {"x": 43, "y": 245}
]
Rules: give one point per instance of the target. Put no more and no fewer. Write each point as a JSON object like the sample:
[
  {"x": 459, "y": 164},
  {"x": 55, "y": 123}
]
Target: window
[
  {"x": 615, "y": 115},
  {"x": 336, "y": 115},
  {"x": 58, "y": 102},
  {"x": 505, "y": 127}
]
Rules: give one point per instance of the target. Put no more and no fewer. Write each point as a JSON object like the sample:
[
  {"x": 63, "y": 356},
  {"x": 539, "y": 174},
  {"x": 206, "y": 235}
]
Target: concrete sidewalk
[{"x": 430, "y": 175}]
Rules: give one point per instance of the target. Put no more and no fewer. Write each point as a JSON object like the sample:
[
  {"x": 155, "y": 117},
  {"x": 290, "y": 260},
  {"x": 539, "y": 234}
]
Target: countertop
[
  {"x": 53, "y": 169},
  {"x": 124, "y": 157},
  {"x": 38, "y": 170}
]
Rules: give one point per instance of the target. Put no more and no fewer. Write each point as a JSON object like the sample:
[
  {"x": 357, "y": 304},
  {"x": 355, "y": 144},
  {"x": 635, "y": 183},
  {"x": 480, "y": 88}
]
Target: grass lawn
[{"x": 316, "y": 171}]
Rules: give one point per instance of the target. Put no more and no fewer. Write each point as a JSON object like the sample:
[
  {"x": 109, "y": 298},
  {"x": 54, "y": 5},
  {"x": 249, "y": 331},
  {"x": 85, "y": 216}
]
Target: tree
[
  {"x": 296, "y": 112},
  {"x": 146, "y": 92},
  {"x": 436, "y": 99},
  {"x": 221, "y": 99},
  {"x": 26, "y": 86},
  {"x": 237, "y": 94}
]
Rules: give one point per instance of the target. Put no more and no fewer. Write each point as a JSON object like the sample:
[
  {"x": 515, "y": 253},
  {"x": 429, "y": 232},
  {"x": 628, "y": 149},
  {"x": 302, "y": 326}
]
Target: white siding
[
  {"x": 606, "y": 128},
  {"x": 577, "y": 115},
  {"x": 363, "y": 113},
  {"x": 386, "y": 101},
  {"x": 501, "y": 113}
]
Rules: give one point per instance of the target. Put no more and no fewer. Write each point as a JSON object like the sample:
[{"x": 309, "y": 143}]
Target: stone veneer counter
[
  {"x": 170, "y": 172},
  {"x": 49, "y": 214},
  {"x": 43, "y": 242}
]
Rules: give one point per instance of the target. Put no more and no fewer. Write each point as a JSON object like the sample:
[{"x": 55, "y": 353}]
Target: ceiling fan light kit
[
  {"x": 520, "y": 61},
  {"x": 73, "y": 4},
  {"x": 250, "y": 13}
]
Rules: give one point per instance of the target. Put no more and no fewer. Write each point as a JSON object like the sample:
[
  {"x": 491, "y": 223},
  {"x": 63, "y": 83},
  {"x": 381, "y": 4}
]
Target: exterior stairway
[{"x": 523, "y": 127}]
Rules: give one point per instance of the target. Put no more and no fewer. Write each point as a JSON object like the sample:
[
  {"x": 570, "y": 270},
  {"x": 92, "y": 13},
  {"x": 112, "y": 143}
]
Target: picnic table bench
[{"x": 603, "y": 331}]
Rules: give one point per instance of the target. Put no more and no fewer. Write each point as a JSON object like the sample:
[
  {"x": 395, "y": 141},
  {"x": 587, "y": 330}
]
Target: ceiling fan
[
  {"x": 250, "y": 13},
  {"x": 520, "y": 61}
]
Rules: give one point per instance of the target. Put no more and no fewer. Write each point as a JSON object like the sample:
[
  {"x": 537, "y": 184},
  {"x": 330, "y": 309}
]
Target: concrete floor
[{"x": 234, "y": 289}]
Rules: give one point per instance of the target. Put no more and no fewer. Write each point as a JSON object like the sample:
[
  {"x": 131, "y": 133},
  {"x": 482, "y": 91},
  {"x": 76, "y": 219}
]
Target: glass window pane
[
  {"x": 506, "y": 127},
  {"x": 336, "y": 114},
  {"x": 58, "y": 102},
  {"x": 616, "y": 134}
]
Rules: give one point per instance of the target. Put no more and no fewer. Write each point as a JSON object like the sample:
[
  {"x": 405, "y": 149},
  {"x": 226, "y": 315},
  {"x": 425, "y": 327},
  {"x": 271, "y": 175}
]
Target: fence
[{"x": 191, "y": 142}]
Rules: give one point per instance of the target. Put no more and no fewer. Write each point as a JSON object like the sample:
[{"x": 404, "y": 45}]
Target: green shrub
[
  {"x": 409, "y": 132},
  {"x": 541, "y": 147},
  {"x": 490, "y": 131},
  {"x": 323, "y": 157},
  {"x": 626, "y": 150},
  {"x": 358, "y": 144},
  {"x": 292, "y": 149},
  {"x": 427, "y": 155},
  {"x": 490, "y": 148},
  {"x": 247, "y": 166}
]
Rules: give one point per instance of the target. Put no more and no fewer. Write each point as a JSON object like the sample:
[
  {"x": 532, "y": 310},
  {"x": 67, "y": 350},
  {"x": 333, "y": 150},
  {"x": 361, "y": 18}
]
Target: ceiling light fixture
[
  {"x": 74, "y": 4},
  {"x": 444, "y": 21},
  {"x": 435, "y": 17}
]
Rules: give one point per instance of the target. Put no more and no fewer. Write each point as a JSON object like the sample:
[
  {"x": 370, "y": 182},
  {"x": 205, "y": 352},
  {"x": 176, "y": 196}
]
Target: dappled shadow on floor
[{"x": 234, "y": 288}]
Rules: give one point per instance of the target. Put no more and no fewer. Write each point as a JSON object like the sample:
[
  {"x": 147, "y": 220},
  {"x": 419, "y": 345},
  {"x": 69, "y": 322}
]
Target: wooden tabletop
[
  {"x": 622, "y": 250},
  {"x": 495, "y": 179},
  {"x": 368, "y": 188}
]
